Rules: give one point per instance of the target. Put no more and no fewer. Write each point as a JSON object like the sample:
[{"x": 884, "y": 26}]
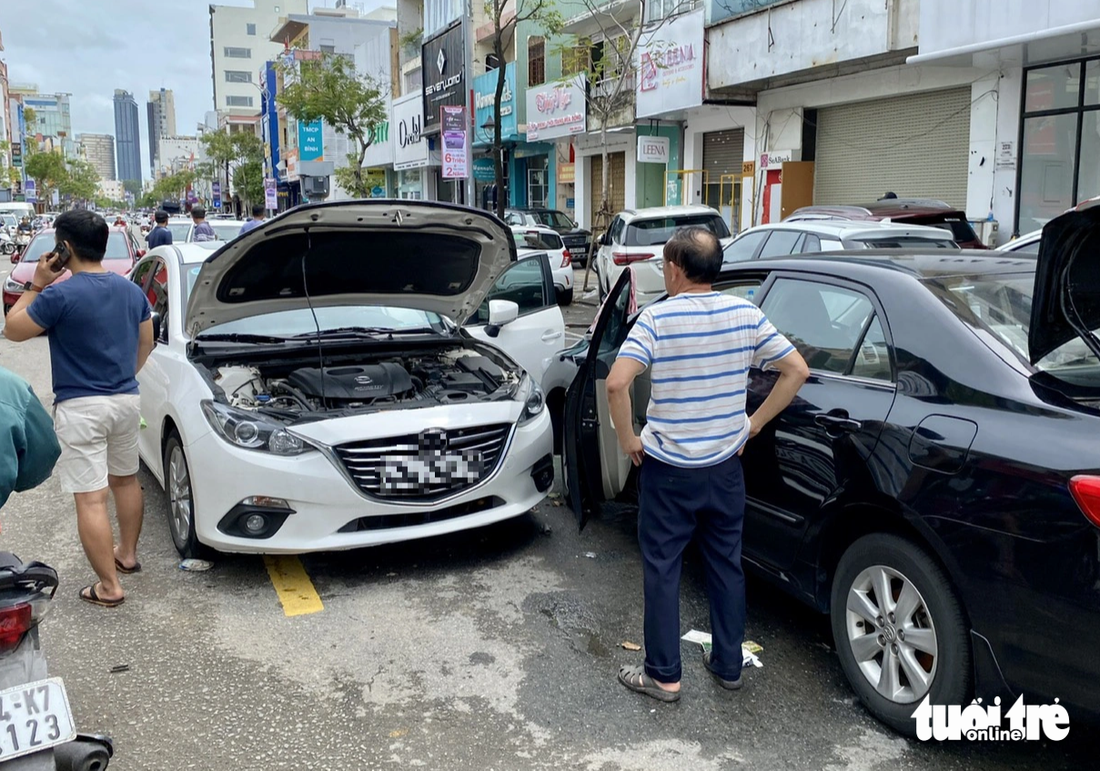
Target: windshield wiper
[
  {"x": 367, "y": 332},
  {"x": 232, "y": 337}
]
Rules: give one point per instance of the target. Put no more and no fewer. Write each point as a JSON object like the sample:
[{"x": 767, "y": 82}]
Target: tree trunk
[{"x": 498, "y": 145}]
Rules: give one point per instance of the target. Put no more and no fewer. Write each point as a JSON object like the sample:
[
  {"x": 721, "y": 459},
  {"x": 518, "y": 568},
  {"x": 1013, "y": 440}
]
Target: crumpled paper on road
[{"x": 749, "y": 649}]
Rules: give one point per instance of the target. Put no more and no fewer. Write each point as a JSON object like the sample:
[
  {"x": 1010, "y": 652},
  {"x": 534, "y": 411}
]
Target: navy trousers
[{"x": 673, "y": 505}]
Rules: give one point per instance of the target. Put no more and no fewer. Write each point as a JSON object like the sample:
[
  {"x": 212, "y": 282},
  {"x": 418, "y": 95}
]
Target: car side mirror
[
  {"x": 501, "y": 312},
  {"x": 14, "y": 258},
  {"x": 155, "y": 317},
  {"x": 140, "y": 254}
]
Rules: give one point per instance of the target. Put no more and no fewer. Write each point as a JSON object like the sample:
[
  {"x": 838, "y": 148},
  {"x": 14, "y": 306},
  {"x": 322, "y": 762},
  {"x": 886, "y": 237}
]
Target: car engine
[{"x": 413, "y": 381}]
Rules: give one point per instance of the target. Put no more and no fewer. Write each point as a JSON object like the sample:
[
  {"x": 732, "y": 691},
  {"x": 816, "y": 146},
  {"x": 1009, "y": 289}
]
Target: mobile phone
[{"x": 61, "y": 257}]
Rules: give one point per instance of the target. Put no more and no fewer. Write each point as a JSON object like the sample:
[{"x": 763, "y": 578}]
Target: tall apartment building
[
  {"x": 161, "y": 109},
  {"x": 127, "y": 135},
  {"x": 99, "y": 150},
  {"x": 239, "y": 48},
  {"x": 53, "y": 120}
]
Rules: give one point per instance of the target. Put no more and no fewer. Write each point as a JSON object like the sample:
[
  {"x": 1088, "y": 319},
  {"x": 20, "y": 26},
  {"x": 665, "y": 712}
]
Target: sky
[{"x": 88, "y": 48}]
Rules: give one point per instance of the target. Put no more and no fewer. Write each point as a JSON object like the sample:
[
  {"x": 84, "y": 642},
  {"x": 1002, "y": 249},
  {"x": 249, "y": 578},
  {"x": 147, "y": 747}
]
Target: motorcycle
[
  {"x": 37, "y": 732},
  {"x": 21, "y": 241},
  {"x": 7, "y": 245}
]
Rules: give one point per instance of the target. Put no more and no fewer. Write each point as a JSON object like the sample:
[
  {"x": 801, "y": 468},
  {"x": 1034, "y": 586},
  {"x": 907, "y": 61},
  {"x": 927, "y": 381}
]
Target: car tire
[
  {"x": 565, "y": 296},
  {"x": 931, "y": 610},
  {"x": 181, "y": 511}
]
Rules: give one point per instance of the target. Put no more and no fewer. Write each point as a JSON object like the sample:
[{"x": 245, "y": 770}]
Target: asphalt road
[{"x": 493, "y": 649}]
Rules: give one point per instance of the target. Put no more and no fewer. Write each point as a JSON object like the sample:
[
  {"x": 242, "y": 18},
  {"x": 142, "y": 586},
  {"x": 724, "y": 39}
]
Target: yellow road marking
[{"x": 293, "y": 586}]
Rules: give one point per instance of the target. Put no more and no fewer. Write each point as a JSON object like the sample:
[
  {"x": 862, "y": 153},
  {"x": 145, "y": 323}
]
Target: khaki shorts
[{"x": 98, "y": 436}]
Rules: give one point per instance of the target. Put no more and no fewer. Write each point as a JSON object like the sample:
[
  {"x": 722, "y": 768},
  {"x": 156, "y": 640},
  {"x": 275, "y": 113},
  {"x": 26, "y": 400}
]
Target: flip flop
[
  {"x": 125, "y": 570},
  {"x": 94, "y": 599},
  {"x": 635, "y": 678},
  {"x": 729, "y": 685}
]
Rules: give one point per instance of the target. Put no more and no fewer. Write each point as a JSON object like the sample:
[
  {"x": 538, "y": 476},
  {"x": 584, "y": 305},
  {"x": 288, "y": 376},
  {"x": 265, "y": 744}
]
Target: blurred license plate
[
  {"x": 34, "y": 717},
  {"x": 404, "y": 474}
]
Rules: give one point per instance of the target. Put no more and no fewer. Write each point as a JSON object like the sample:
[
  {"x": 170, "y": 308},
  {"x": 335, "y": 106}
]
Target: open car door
[
  {"x": 1066, "y": 301},
  {"x": 596, "y": 469}
]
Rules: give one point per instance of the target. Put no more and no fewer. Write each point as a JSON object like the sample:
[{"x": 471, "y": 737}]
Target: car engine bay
[{"x": 345, "y": 386}]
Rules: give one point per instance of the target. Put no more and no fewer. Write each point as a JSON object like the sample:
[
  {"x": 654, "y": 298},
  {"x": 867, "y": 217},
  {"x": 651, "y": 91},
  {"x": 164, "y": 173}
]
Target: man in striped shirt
[{"x": 699, "y": 345}]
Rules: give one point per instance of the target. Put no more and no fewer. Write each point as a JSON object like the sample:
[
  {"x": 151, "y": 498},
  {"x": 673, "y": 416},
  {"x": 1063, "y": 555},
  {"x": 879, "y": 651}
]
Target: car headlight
[
  {"x": 533, "y": 399},
  {"x": 251, "y": 431},
  {"x": 12, "y": 286}
]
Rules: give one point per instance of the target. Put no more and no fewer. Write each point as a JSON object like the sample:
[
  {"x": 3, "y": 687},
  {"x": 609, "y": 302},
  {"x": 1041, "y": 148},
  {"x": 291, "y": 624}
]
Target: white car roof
[
  {"x": 667, "y": 211},
  {"x": 536, "y": 228},
  {"x": 1027, "y": 239},
  {"x": 196, "y": 252},
  {"x": 856, "y": 229}
]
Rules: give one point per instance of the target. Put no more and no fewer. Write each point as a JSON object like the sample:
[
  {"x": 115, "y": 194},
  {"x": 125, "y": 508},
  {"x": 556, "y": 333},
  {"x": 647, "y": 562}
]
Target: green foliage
[
  {"x": 81, "y": 180},
  {"x": 223, "y": 148},
  {"x": 248, "y": 181},
  {"x": 351, "y": 102},
  {"x": 133, "y": 187},
  {"x": 48, "y": 171}
]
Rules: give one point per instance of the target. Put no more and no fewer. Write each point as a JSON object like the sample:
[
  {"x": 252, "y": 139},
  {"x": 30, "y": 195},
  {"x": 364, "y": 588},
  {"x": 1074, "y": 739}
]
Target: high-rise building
[
  {"x": 52, "y": 120},
  {"x": 239, "y": 48},
  {"x": 127, "y": 136},
  {"x": 162, "y": 120},
  {"x": 99, "y": 150}
]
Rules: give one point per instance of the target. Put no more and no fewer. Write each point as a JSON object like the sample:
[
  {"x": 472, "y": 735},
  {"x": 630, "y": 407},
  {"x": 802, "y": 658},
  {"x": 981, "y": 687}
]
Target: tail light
[
  {"x": 15, "y": 621},
  {"x": 1086, "y": 491},
  {"x": 625, "y": 258},
  {"x": 566, "y": 258}
]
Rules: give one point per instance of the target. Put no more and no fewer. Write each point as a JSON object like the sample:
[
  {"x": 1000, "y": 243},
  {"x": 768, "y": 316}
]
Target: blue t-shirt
[
  {"x": 250, "y": 225},
  {"x": 158, "y": 236},
  {"x": 92, "y": 320},
  {"x": 204, "y": 232}
]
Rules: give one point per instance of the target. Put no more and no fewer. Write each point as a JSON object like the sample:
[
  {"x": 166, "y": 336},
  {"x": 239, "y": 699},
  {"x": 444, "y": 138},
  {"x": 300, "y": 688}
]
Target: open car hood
[
  {"x": 412, "y": 254},
  {"x": 1066, "y": 300}
]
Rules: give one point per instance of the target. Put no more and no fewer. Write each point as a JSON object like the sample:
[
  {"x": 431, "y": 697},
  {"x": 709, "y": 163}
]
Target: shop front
[
  {"x": 485, "y": 90},
  {"x": 555, "y": 114},
  {"x": 411, "y": 154},
  {"x": 444, "y": 78}
]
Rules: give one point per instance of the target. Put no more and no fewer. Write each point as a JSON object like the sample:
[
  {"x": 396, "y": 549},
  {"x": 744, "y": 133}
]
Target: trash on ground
[
  {"x": 554, "y": 496},
  {"x": 630, "y": 646},
  {"x": 547, "y": 530},
  {"x": 120, "y": 668},
  {"x": 590, "y": 554},
  {"x": 748, "y": 655},
  {"x": 196, "y": 566}
]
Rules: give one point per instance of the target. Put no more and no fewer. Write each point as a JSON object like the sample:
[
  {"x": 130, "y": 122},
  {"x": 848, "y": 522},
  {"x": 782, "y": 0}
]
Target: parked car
[
  {"x": 348, "y": 374},
  {"x": 577, "y": 240},
  {"x": 535, "y": 239},
  {"x": 1027, "y": 244},
  {"x": 183, "y": 229},
  {"x": 908, "y": 211},
  {"x": 785, "y": 238},
  {"x": 122, "y": 251},
  {"x": 935, "y": 485},
  {"x": 636, "y": 238}
]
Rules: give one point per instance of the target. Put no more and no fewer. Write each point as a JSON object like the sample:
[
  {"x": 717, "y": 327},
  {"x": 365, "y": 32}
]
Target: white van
[{"x": 19, "y": 209}]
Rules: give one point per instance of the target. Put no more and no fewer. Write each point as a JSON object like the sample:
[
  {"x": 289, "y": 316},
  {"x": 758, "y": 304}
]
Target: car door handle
[
  {"x": 837, "y": 423},
  {"x": 551, "y": 335}
]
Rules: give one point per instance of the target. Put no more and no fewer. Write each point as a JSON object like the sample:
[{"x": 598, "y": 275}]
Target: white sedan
[
  {"x": 346, "y": 375},
  {"x": 536, "y": 239}
]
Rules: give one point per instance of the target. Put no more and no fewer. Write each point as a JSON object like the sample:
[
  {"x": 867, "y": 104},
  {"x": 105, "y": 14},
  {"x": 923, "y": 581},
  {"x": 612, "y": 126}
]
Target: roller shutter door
[
  {"x": 723, "y": 152},
  {"x": 617, "y": 195},
  {"x": 916, "y": 146}
]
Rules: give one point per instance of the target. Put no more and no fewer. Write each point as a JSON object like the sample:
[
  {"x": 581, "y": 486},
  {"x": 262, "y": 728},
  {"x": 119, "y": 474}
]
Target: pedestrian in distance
[
  {"x": 160, "y": 235},
  {"x": 100, "y": 333},
  {"x": 258, "y": 211},
  {"x": 28, "y": 445},
  {"x": 203, "y": 230},
  {"x": 699, "y": 345}
]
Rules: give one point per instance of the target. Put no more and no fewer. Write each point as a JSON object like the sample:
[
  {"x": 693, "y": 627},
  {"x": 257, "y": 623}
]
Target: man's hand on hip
[{"x": 633, "y": 448}]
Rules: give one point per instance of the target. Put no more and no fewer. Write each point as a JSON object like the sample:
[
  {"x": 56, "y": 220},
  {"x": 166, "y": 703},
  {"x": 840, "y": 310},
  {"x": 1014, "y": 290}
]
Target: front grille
[
  {"x": 574, "y": 242},
  {"x": 412, "y": 519},
  {"x": 365, "y": 460}
]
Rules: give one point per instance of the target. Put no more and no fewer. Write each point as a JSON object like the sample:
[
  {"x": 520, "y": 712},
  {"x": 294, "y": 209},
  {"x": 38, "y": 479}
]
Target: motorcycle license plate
[
  {"x": 405, "y": 475},
  {"x": 34, "y": 717}
]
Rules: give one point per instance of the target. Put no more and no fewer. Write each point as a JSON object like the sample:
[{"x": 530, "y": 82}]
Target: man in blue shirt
[
  {"x": 28, "y": 446},
  {"x": 160, "y": 235},
  {"x": 257, "y": 219},
  {"x": 203, "y": 230},
  {"x": 100, "y": 334}
]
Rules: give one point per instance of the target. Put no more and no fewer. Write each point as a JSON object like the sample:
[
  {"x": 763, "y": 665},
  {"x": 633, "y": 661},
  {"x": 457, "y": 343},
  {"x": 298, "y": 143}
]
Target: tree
[
  {"x": 173, "y": 186},
  {"x": 248, "y": 181},
  {"x": 506, "y": 16},
  {"x": 230, "y": 151},
  {"x": 608, "y": 69},
  {"x": 133, "y": 187},
  {"x": 353, "y": 103},
  {"x": 48, "y": 171},
  {"x": 81, "y": 181}
]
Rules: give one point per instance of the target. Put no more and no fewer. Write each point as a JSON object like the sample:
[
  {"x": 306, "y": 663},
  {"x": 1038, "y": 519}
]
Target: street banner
[
  {"x": 29, "y": 191},
  {"x": 216, "y": 194},
  {"x": 271, "y": 197},
  {"x": 456, "y": 162}
]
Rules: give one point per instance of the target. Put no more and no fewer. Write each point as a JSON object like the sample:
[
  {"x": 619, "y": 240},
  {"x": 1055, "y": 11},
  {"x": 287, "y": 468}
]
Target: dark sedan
[
  {"x": 935, "y": 486},
  {"x": 577, "y": 240}
]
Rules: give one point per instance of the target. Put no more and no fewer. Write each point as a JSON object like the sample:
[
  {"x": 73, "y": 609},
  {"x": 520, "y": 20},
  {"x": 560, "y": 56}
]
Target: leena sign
[
  {"x": 670, "y": 66},
  {"x": 410, "y": 149},
  {"x": 653, "y": 149},
  {"x": 556, "y": 110}
]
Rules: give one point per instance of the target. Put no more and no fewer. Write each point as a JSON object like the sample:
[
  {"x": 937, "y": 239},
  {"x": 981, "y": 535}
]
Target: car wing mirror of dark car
[{"x": 156, "y": 319}]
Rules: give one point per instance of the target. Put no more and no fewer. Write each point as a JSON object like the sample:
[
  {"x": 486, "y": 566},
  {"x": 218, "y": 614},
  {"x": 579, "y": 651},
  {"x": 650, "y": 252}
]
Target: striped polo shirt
[{"x": 699, "y": 348}]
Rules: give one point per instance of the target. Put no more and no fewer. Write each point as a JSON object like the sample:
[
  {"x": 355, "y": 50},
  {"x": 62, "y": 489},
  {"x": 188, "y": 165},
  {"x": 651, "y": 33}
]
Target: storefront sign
[
  {"x": 748, "y": 168},
  {"x": 29, "y": 191},
  {"x": 485, "y": 93},
  {"x": 483, "y": 170},
  {"x": 567, "y": 173},
  {"x": 444, "y": 74},
  {"x": 652, "y": 149},
  {"x": 1006, "y": 155},
  {"x": 670, "y": 67},
  {"x": 271, "y": 195},
  {"x": 455, "y": 156},
  {"x": 375, "y": 180},
  {"x": 410, "y": 149},
  {"x": 216, "y": 194},
  {"x": 311, "y": 140},
  {"x": 16, "y": 154},
  {"x": 778, "y": 158},
  {"x": 556, "y": 110}
]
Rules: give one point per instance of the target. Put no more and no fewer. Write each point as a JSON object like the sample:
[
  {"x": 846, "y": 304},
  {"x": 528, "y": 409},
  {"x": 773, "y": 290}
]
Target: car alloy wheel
[
  {"x": 891, "y": 634},
  {"x": 181, "y": 507}
]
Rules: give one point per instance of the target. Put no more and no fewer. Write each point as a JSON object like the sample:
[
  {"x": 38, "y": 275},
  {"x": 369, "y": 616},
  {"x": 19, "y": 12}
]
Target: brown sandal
[{"x": 94, "y": 599}]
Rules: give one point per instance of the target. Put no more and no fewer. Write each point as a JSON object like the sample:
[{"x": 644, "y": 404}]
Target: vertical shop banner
[
  {"x": 444, "y": 74},
  {"x": 410, "y": 149},
  {"x": 271, "y": 196},
  {"x": 485, "y": 94},
  {"x": 311, "y": 140},
  {"x": 670, "y": 66},
  {"x": 216, "y": 194},
  {"x": 29, "y": 191},
  {"x": 455, "y": 156}
]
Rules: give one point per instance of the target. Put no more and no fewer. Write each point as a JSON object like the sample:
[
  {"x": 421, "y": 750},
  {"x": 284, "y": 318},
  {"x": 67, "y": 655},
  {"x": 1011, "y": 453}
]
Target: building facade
[
  {"x": 240, "y": 44},
  {"x": 53, "y": 120},
  {"x": 127, "y": 136},
  {"x": 176, "y": 153},
  {"x": 99, "y": 150},
  {"x": 161, "y": 114}
]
